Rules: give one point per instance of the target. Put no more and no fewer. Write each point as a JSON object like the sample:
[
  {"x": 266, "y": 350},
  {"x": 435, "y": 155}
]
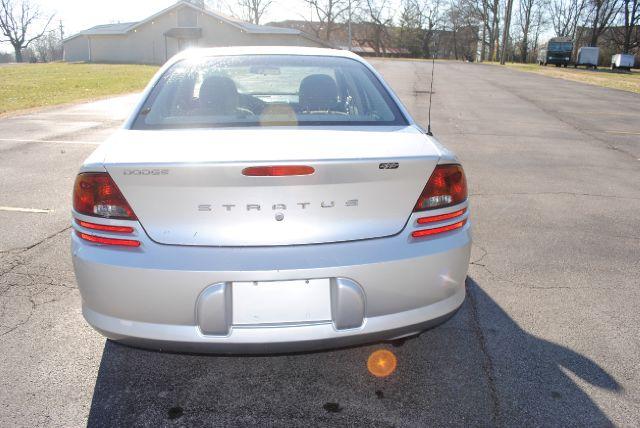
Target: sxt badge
[{"x": 389, "y": 165}]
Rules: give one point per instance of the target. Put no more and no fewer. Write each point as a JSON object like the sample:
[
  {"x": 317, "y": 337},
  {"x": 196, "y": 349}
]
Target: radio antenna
[{"x": 433, "y": 66}]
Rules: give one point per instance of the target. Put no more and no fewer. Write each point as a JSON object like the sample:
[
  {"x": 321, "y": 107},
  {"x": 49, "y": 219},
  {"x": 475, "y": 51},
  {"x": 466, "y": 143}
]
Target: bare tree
[
  {"x": 493, "y": 7},
  {"x": 252, "y": 10},
  {"x": 631, "y": 22},
  {"x": 540, "y": 25},
  {"x": 601, "y": 16},
  {"x": 530, "y": 17},
  {"x": 455, "y": 23},
  {"x": 410, "y": 27},
  {"x": 525, "y": 10},
  {"x": 430, "y": 19},
  {"x": 378, "y": 16},
  {"x": 487, "y": 13},
  {"x": 483, "y": 15},
  {"x": 48, "y": 47},
  {"x": 327, "y": 13},
  {"x": 565, "y": 16},
  {"x": 505, "y": 33},
  {"x": 462, "y": 20},
  {"x": 16, "y": 20},
  {"x": 41, "y": 49},
  {"x": 418, "y": 22}
]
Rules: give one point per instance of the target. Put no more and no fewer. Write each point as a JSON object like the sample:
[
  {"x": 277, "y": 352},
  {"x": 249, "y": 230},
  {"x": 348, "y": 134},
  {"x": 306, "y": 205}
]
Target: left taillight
[{"x": 96, "y": 194}]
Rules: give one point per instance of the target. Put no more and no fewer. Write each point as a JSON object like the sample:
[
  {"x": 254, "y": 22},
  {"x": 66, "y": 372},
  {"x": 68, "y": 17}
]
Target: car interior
[
  {"x": 265, "y": 95},
  {"x": 219, "y": 96}
]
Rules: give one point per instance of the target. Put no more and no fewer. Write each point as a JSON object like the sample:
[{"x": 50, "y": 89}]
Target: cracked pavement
[{"x": 547, "y": 335}]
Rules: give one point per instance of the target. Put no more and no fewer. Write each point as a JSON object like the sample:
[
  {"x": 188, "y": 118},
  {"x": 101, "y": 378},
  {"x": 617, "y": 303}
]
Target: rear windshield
[{"x": 267, "y": 90}]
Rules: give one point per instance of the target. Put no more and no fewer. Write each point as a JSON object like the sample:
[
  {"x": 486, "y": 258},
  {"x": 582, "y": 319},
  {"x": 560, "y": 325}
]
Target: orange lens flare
[{"x": 382, "y": 363}]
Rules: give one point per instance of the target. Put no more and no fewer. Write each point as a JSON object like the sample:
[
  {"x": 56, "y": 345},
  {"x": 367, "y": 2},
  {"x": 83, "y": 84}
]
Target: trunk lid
[{"x": 187, "y": 187}]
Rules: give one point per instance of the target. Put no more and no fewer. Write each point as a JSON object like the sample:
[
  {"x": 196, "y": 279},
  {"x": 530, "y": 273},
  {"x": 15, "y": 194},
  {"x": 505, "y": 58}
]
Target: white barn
[{"x": 182, "y": 25}]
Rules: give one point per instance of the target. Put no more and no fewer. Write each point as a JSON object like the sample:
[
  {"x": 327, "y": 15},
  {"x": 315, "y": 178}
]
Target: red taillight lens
[
  {"x": 447, "y": 186},
  {"x": 97, "y": 195},
  {"x": 108, "y": 241},
  {"x": 105, "y": 227},
  {"x": 441, "y": 217},
  {"x": 278, "y": 170},
  {"x": 428, "y": 232}
]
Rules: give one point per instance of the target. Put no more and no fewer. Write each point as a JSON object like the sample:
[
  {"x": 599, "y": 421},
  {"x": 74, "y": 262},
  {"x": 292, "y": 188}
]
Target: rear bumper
[
  {"x": 264, "y": 340},
  {"x": 155, "y": 296},
  {"x": 558, "y": 61}
]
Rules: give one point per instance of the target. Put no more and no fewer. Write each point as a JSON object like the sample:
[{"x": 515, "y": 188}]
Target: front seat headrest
[
  {"x": 219, "y": 94},
  {"x": 318, "y": 92}
]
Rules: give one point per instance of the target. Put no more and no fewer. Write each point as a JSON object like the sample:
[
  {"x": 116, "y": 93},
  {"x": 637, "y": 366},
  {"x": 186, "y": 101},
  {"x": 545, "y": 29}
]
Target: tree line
[
  {"x": 501, "y": 29},
  {"x": 496, "y": 29}
]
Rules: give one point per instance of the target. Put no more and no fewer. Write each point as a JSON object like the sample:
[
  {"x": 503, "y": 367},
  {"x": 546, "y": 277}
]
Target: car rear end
[{"x": 270, "y": 238}]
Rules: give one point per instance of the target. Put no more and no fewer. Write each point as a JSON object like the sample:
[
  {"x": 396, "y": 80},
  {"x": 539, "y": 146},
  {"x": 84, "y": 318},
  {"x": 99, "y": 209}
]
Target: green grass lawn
[
  {"x": 24, "y": 86},
  {"x": 601, "y": 77}
]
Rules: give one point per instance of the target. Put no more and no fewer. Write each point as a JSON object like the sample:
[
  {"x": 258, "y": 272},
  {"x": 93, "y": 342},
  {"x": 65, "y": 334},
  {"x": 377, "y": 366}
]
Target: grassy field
[
  {"x": 601, "y": 77},
  {"x": 24, "y": 86}
]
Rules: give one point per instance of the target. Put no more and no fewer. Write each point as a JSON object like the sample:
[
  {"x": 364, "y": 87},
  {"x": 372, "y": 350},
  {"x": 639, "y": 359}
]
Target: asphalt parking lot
[{"x": 548, "y": 334}]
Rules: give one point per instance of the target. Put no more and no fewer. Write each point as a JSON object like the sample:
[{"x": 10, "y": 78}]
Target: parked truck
[{"x": 557, "y": 51}]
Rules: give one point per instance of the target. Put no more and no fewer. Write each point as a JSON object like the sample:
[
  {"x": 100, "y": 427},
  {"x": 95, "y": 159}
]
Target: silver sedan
[{"x": 269, "y": 200}]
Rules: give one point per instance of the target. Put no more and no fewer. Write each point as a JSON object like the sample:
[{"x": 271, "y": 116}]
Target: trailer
[
  {"x": 588, "y": 56},
  {"x": 622, "y": 61}
]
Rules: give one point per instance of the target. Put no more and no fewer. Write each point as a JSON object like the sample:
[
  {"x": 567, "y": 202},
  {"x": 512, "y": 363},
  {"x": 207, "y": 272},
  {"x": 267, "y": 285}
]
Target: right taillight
[
  {"x": 96, "y": 194},
  {"x": 447, "y": 186}
]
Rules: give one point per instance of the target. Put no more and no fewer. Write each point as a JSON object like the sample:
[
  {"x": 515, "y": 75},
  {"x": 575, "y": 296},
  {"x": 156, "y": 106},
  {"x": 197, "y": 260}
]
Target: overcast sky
[{"x": 77, "y": 15}]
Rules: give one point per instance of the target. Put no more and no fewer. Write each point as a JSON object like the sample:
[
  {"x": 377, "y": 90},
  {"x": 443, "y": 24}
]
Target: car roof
[{"x": 265, "y": 50}]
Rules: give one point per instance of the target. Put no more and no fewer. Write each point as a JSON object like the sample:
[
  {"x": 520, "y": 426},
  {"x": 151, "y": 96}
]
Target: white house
[{"x": 156, "y": 38}]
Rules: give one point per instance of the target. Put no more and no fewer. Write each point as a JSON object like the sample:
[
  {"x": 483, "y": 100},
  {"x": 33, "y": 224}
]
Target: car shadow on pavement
[{"x": 479, "y": 368}]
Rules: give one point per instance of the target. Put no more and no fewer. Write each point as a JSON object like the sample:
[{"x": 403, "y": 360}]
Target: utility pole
[
  {"x": 505, "y": 32},
  {"x": 61, "y": 30},
  {"x": 349, "y": 26}
]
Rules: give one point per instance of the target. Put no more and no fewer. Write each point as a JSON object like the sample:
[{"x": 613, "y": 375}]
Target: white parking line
[
  {"x": 20, "y": 140},
  {"x": 623, "y": 132},
  {"x": 26, "y": 210}
]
